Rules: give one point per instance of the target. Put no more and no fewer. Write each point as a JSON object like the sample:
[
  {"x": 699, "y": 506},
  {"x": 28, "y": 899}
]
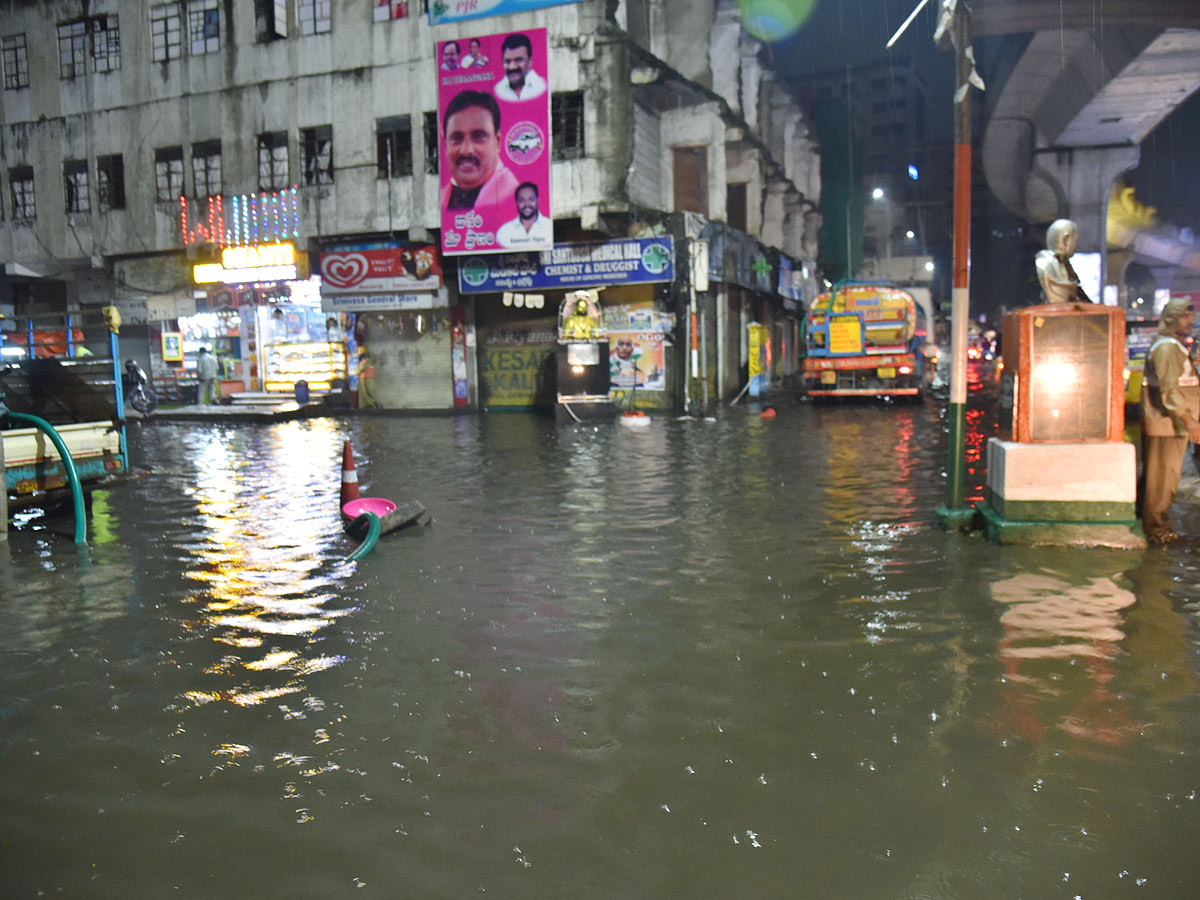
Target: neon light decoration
[{"x": 254, "y": 218}]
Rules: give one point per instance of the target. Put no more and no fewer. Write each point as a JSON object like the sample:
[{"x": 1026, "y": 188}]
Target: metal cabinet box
[{"x": 1063, "y": 374}]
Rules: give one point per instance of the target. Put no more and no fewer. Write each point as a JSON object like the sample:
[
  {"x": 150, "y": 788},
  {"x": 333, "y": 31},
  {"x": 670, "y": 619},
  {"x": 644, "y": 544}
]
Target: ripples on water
[{"x": 700, "y": 659}]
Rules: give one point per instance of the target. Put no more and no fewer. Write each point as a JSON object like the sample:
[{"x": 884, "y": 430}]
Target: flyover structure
[{"x": 1068, "y": 107}]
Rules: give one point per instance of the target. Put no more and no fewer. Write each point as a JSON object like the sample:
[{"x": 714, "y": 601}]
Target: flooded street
[{"x": 702, "y": 659}]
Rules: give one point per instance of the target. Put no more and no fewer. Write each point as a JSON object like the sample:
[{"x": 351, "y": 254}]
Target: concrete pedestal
[{"x": 1071, "y": 494}]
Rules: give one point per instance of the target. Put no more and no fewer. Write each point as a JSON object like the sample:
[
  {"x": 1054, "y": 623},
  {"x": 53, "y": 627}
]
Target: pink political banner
[{"x": 494, "y": 135}]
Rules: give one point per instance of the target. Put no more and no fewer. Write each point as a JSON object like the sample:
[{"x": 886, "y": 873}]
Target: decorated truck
[{"x": 865, "y": 339}]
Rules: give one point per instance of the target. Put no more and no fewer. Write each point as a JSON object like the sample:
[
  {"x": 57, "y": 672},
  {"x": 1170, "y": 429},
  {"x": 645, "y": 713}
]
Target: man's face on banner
[
  {"x": 516, "y": 64},
  {"x": 624, "y": 348},
  {"x": 450, "y": 55},
  {"x": 472, "y": 147},
  {"x": 527, "y": 200}
]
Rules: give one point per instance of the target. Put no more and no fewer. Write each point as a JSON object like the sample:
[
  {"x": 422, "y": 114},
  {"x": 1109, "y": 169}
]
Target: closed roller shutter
[{"x": 412, "y": 358}]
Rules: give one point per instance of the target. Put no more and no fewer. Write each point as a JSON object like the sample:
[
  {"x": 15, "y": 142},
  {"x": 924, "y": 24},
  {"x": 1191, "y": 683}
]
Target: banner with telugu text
[{"x": 494, "y": 142}]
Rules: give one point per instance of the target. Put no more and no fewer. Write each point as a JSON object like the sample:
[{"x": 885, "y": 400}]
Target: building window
[
  {"x": 430, "y": 134},
  {"x": 75, "y": 186},
  {"x": 16, "y": 65},
  {"x": 110, "y": 182},
  {"x": 106, "y": 44},
  {"x": 566, "y": 125},
  {"x": 393, "y": 146},
  {"x": 316, "y": 151},
  {"x": 168, "y": 173},
  {"x": 204, "y": 26},
  {"x": 736, "y": 206},
  {"x": 314, "y": 16},
  {"x": 72, "y": 44},
  {"x": 166, "y": 32},
  {"x": 14, "y": 62},
  {"x": 20, "y": 183},
  {"x": 270, "y": 20},
  {"x": 272, "y": 161},
  {"x": 386, "y": 10},
  {"x": 691, "y": 179},
  {"x": 206, "y": 168}
]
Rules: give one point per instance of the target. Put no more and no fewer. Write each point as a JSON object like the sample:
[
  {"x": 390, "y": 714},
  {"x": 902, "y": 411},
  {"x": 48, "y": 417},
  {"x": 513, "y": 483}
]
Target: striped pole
[{"x": 956, "y": 515}]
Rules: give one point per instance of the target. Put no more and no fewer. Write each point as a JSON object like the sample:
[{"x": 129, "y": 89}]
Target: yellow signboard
[{"x": 845, "y": 335}]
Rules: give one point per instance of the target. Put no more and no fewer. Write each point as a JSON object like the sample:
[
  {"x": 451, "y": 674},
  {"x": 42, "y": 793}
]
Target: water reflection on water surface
[{"x": 701, "y": 659}]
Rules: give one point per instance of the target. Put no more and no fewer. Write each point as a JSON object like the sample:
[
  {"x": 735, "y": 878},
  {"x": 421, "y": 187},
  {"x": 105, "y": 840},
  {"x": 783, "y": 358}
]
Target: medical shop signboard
[
  {"x": 494, "y": 143},
  {"x": 631, "y": 261}
]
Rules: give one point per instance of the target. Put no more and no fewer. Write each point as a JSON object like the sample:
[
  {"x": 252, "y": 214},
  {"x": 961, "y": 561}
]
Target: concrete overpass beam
[{"x": 1074, "y": 183}]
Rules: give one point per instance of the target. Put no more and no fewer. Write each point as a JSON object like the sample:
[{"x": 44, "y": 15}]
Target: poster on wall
[
  {"x": 636, "y": 357},
  {"x": 494, "y": 143},
  {"x": 443, "y": 11}
]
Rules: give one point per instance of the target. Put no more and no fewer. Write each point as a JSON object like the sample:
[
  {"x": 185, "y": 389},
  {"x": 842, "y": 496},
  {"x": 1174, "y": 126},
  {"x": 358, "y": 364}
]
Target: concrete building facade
[{"x": 131, "y": 133}]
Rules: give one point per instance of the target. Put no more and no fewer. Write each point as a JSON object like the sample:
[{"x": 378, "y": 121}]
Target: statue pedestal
[{"x": 1062, "y": 493}]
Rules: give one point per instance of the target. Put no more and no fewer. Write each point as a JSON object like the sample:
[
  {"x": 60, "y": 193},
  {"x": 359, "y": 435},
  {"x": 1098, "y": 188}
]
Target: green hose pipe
[
  {"x": 68, "y": 465},
  {"x": 374, "y": 527}
]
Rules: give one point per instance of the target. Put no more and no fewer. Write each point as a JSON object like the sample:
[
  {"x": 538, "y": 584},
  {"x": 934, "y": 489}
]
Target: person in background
[
  {"x": 366, "y": 379},
  {"x": 1170, "y": 416},
  {"x": 206, "y": 375}
]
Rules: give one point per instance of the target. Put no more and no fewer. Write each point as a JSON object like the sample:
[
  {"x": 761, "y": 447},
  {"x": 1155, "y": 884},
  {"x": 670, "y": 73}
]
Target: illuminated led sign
[{"x": 243, "y": 265}]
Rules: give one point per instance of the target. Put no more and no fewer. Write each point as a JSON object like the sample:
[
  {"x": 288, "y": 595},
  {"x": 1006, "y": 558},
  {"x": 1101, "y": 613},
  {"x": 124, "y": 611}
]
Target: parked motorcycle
[{"x": 137, "y": 391}]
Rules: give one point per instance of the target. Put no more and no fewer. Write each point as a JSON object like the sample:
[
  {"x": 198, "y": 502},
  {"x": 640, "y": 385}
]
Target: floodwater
[{"x": 701, "y": 659}]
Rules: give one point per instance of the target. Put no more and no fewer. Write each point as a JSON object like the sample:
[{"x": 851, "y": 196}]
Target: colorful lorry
[{"x": 865, "y": 339}]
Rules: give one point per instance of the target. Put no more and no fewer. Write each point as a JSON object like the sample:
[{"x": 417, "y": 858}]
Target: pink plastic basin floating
[{"x": 355, "y": 508}]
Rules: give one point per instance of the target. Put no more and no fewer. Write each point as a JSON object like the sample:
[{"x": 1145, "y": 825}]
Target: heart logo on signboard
[{"x": 344, "y": 269}]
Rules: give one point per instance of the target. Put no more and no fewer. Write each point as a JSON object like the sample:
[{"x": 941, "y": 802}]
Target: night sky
[{"x": 854, "y": 32}]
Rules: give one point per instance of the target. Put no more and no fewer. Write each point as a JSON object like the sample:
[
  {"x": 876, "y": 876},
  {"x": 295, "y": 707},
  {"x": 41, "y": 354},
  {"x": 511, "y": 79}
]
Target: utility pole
[
  {"x": 954, "y": 21},
  {"x": 956, "y": 515}
]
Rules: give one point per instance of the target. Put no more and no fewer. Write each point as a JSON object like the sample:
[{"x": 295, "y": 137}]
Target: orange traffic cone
[{"x": 349, "y": 476}]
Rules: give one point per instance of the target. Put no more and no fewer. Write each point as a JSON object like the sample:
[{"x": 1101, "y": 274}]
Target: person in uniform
[{"x": 1170, "y": 416}]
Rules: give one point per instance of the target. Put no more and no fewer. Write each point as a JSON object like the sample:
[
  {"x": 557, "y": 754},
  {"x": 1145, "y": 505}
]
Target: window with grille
[
  {"x": 106, "y": 44},
  {"x": 316, "y": 151},
  {"x": 75, "y": 186},
  {"x": 566, "y": 125},
  {"x": 204, "y": 26},
  {"x": 272, "y": 161},
  {"x": 314, "y": 16},
  {"x": 72, "y": 45},
  {"x": 386, "y": 10},
  {"x": 16, "y": 63},
  {"x": 206, "y": 168},
  {"x": 393, "y": 146},
  {"x": 20, "y": 183},
  {"x": 110, "y": 182},
  {"x": 430, "y": 134},
  {"x": 168, "y": 173},
  {"x": 270, "y": 20},
  {"x": 166, "y": 32}
]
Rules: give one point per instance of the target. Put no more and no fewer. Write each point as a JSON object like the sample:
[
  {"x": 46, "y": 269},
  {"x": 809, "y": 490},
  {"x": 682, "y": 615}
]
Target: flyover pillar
[{"x": 1084, "y": 178}]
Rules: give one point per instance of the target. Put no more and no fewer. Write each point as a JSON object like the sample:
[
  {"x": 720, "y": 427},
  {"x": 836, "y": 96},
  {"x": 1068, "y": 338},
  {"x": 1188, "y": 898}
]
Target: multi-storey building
[
  {"x": 887, "y": 176},
  {"x": 138, "y": 141}
]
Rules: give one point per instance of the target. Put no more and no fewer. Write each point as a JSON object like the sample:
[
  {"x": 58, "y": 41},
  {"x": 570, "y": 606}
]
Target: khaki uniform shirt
[{"x": 1170, "y": 389}]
